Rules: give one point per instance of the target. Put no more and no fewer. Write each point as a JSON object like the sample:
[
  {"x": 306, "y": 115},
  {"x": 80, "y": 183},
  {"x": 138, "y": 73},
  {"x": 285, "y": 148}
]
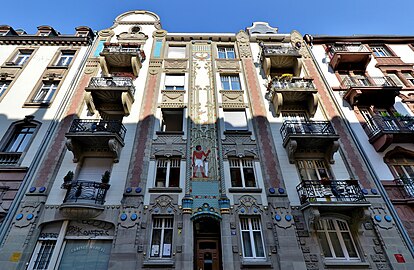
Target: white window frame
[
  {"x": 380, "y": 51},
  {"x": 241, "y": 164},
  {"x": 21, "y": 58},
  {"x": 40, "y": 253},
  {"x": 227, "y": 50},
  {"x": 340, "y": 227},
  {"x": 229, "y": 78},
  {"x": 167, "y": 163},
  {"x": 253, "y": 225},
  {"x": 4, "y": 85},
  {"x": 46, "y": 92},
  {"x": 174, "y": 85},
  {"x": 409, "y": 77},
  {"x": 167, "y": 223},
  {"x": 394, "y": 77},
  {"x": 174, "y": 53},
  {"x": 240, "y": 114},
  {"x": 162, "y": 126},
  {"x": 65, "y": 58}
]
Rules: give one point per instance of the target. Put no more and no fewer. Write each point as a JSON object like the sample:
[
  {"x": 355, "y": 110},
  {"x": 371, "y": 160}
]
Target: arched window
[{"x": 336, "y": 240}]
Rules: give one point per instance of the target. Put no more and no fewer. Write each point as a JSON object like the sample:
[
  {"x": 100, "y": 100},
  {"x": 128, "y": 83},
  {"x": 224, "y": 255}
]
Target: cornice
[
  {"x": 364, "y": 39},
  {"x": 45, "y": 41}
]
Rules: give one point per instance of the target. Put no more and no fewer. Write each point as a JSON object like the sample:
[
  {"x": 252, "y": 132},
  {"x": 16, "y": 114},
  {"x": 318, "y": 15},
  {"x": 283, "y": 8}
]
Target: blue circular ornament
[
  {"x": 128, "y": 190},
  {"x": 42, "y": 189},
  {"x": 364, "y": 191},
  {"x": 138, "y": 190},
  {"x": 288, "y": 217},
  {"x": 134, "y": 217},
  {"x": 32, "y": 189},
  {"x": 19, "y": 216},
  {"x": 30, "y": 217},
  {"x": 272, "y": 190},
  {"x": 124, "y": 217},
  {"x": 388, "y": 218},
  {"x": 281, "y": 190},
  {"x": 278, "y": 218},
  {"x": 377, "y": 218},
  {"x": 374, "y": 191}
]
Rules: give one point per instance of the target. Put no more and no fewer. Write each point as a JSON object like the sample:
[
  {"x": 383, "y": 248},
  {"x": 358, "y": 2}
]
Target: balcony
[
  {"x": 295, "y": 91},
  {"x": 361, "y": 90},
  {"x": 382, "y": 131},
  {"x": 309, "y": 135},
  {"x": 280, "y": 57},
  {"x": 121, "y": 58},
  {"x": 95, "y": 135},
  {"x": 349, "y": 56},
  {"x": 110, "y": 95},
  {"x": 84, "y": 199},
  {"x": 9, "y": 158},
  {"x": 406, "y": 188}
]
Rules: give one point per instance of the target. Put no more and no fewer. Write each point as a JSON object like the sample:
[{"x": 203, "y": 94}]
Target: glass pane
[
  {"x": 236, "y": 180},
  {"x": 156, "y": 241},
  {"x": 324, "y": 245},
  {"x": 174, "y": 177},
  {"x": 160, "y": 177},
  {"x": 349, "y": 245},
  {"x": 235, "y": 83},
  {"x": 85, "y": 255},
  {"x": 225, "y": 83},
  {"x": 221, "y": 54},
  {"x": 336, "y": 245},
  {"x": 166, "y": 249},
  {"x": 230, "y": 55},
  {"x": 258, "y": 244},
  {"x": 247, "y": 245},
  {"x": 249, "y": 177}
]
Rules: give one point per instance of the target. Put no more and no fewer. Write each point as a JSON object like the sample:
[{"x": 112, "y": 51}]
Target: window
[
  {"x": 172, "y": 120},
  {"x": 161, "y": 241},
  {"x": 235, "y": 120},
  {"x": 21, "y": 58},
  {"x": 46, "y": 92},
  {"x": 230, "y": 82},
  {"x": 226, "y": 52},
  {"x": 336, "y": 240},
  {"x": 395, "y": 79},
  {"x": 85, "y": 254},
  {"x": 252, "y": 240},
  {"x": 404, "y": 169},
  {"x": 409, "y": 77},
  {"x": 242, "y": 172},
  {"x": 43, "y": 253},
  {"x": 3, "y": 87},
  {"x": 380, "y": 51},
  {"x": 20, "y": 139},
  {"x": 65, "y": 58},
  {"x": 168, "y": 172},
  {"x": 369, "y": 120},
  {"x": 176, "y": 52},
  {"x": 313, "y": 169},
  {"x": 174, "y": 82}
]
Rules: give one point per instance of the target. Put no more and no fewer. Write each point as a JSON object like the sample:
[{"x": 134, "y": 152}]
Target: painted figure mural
[{"x": 200, "y": 164}]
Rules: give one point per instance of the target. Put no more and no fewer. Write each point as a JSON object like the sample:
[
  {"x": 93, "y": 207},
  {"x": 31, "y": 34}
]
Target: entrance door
[
  {"x": 207, "y": 245},
  {"x": 207, "y": 255}
]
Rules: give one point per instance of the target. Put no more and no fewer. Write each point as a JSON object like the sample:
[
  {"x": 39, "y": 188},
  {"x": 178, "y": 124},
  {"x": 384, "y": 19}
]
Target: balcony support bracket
[
  {"x": 73, "y": 147},
  {"x": 291, "y": 149},
  {"x": 312, "y": 216},
  {"x": 331, "y": 151},
  {"x": 89, "y": 102},
  {"x": 104, "y": 66},
  {"x": 126, "y": 103}
]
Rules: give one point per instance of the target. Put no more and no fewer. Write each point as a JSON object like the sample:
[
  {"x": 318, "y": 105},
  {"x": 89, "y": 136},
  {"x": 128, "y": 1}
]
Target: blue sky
[{"x": 314, "y": 17}]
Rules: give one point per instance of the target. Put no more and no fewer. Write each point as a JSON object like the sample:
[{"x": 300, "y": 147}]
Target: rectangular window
[
  {"x": 409, "y": 76},
  {"x": 172, "y": 120},
  {"x": 161, "y": 241},
  {"x": 176, "y": 52},
  {"x": 336, "y": 240},
  {"x": 65, "y": 58},
  {"x": 21, "y": 58},
  {"x": 395, "y": 79},
  {"x": 174, "y": 82},
  {"x": 226, "y": 52},
  {"x": 230, "y": 82},
  {"x": 168, "y": 172},
  {"x": 313, "y": 169},
  {"x": 20, "y": 139},
  {"x": 43, "y": 251},
  {"x": 252, "y": 240},
  {"x": 3, "y": 87},
  {"x": 242, "y": 172},
  {"x": 235, "y": 120},
  {"x": 46, "y": 92},
  {"x": 380, "y": 51}
]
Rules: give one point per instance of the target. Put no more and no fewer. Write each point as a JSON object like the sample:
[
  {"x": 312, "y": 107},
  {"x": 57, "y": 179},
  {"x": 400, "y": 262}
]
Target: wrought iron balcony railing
[
  {"x": 119, "y": 48},
  {"x": 9, "y": 158},
  {"x": 92, "y": 126},
  {"x": 291, "y": 84},
  {"x": 406, "y": 186},
  {"x": 389, "y": 124},
  {"x": 111, "y": 82},
  {"x": 347, "y": 48},
  {"x": 306, "y": 128},
  {"x": 362, "y": 81},
  {"x": 85, "y": 191},
  {"x": 310, "y": 191},
  {"x": 275, "y": 50}
]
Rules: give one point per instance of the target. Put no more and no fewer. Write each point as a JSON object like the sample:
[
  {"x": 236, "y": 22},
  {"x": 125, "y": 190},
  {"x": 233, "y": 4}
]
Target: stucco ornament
[{"x": 243, "y": 43}]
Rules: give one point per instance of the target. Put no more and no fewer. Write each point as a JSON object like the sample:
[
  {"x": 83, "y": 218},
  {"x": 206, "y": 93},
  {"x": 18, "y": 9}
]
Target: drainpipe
[
  {"x": 373, "y": 174},
  {"x": 36, "y": 161}
]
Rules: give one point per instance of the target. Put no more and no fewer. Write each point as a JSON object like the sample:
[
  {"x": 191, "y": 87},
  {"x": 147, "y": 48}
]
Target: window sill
[
  {"x": 58, "y": 67},
  {"x": 169, "y": 132},
  {"x": 256, "y": 264},
  {"x": 158, "y": 263},
  {"x": 346, "y": 264},
  {"x": 245, "y": 190},
  {"x": 165, "y": 190},
  {"x": 35, "y": 104},
  {"x": 241, "y": 132}
]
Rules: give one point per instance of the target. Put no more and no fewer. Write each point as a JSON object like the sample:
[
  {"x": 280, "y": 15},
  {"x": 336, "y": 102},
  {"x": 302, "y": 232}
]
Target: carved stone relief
[
  {"x": 239, "y": 145},
  {"x": 231, "y": 66},
  {"x": 173, "y": 64},
  {"x": 243, "y": 44},
  {"x": 168, "y": 145}
]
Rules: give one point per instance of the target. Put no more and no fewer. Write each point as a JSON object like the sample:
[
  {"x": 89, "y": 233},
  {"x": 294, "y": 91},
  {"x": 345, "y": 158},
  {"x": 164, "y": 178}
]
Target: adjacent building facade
[{"x": 207, "y": 151}]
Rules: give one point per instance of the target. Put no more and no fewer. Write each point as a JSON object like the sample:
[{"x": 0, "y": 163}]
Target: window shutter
[
  {"x": 174, "y": 80},
  {"x": 235, "y": 120}
]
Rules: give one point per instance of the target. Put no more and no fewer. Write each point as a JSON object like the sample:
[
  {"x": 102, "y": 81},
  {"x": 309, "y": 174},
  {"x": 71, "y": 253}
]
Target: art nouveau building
[
  {"x": 202, "y": 151},
  {"x": 371, "y": 80},
  {"x": 37, "y": 74}
]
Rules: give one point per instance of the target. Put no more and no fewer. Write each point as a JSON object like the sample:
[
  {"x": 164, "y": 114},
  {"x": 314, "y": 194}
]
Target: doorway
[{"x": 207, "y": 244}]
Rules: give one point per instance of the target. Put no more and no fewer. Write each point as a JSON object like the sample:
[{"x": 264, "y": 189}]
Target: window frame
[
  {"x": 226, "y": 52},
  {"x": 174, "y": 87},
  {"x": 242, "y": 128},
  {"x": 321, "y": 172},
  {"x": 228, "y": 79},
  {"x": 4, "y": 87},
  {"x": 27, "y": 55},
  {"x": 409, "y": 77},
  {"x": 163, "y": 117},
  {"x": 380, "y": 51},
  {"x": 163, "y": 228},
  {"x": 64, "y": 53},
  {"x": 39, "y": 252},
  {"x": 170, "y": 162},
  {"x": 173, "y": 45},
  {"x": 251, "y": 239},
  {"x": 241, "y": 164}
]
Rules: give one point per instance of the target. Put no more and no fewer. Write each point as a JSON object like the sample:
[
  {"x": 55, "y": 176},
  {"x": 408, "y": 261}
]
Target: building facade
[{"x": 203, "y": 151}]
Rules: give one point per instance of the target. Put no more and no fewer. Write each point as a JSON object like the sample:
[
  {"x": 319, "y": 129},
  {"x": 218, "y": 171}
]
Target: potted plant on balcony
[
  {"x": 105, "y": 179},
  {"x": 67, "y": 179}
]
